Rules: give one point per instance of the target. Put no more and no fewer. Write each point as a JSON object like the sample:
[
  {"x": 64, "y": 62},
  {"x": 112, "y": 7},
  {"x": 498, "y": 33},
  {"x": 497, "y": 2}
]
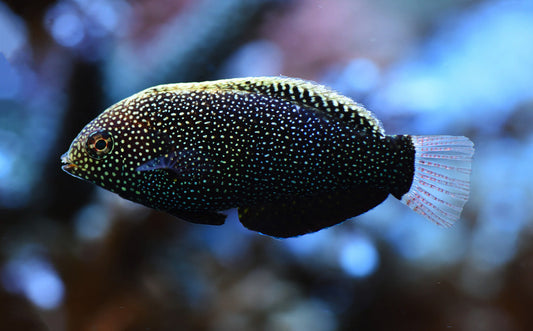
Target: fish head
[
  {"x": 108, "y": 150},
  {"x": 93, "y": 155}
]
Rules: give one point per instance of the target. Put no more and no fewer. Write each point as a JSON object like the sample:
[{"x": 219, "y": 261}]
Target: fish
[{"x": 291, "y": 155}]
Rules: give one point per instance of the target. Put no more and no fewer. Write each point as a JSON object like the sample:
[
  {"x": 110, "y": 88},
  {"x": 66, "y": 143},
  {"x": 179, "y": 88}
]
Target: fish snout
[{"x": 66, "y": 163}]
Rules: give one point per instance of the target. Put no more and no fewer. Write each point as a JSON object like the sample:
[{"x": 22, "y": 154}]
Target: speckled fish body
[{"x": 292, "y": 155}]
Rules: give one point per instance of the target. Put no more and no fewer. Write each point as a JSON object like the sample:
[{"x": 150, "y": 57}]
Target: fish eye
[{"x": 99, "y": 144}]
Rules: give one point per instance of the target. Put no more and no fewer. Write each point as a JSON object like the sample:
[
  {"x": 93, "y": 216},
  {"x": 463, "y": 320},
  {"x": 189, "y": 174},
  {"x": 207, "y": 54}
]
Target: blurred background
[{"x": 74, "y": 257}]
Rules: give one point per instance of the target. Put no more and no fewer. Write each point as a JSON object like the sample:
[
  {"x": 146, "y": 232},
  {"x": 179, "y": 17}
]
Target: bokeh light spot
[
  {"x": 66, "y": 27},
  {"x": 35, "y": 277},
  {"x": 359, "y": 258}
]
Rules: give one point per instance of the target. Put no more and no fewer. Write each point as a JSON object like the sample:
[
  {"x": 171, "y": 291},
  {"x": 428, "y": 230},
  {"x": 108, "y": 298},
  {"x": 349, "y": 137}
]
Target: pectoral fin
[
  {"x": 301, "y": 215},
  {"x": 176, "y": 161}
]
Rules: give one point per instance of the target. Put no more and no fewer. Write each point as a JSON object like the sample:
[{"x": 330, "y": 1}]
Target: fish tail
[{"x": 441, "y": 181}]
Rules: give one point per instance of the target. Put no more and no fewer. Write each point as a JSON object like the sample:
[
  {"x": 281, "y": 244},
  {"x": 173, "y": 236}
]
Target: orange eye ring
[{"x": 99, "y": 144}]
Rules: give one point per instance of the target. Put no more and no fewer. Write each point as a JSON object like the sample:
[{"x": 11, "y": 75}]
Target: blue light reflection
[
  {"x": 360, "y": 257},
  {"x": 35, "y": 277}
]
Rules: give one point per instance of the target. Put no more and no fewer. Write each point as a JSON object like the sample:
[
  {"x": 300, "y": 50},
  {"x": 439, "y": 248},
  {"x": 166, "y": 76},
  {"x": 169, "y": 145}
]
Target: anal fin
[
  {"x": 201, "y": 217},
  {"x": 301, "y": 215}
]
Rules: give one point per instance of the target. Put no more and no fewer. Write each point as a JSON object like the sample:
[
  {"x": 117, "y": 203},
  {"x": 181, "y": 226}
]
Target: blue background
[{"x": 74, "y": 257}]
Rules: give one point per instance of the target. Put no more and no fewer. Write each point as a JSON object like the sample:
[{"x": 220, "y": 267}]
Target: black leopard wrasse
[{"x": 293, "y": 156}]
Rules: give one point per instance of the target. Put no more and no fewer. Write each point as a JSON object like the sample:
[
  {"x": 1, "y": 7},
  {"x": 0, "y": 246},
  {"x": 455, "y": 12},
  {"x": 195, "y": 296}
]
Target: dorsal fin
[{"x": 304, "y": 93}]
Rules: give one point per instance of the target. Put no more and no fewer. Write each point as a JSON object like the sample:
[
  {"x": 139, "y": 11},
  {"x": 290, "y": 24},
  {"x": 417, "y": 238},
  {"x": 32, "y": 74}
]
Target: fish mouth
[{"x": 66, "y": 164}]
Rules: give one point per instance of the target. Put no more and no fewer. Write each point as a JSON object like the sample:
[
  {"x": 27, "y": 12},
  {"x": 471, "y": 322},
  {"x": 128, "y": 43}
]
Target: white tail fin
[{"x": 441, "y": 181}]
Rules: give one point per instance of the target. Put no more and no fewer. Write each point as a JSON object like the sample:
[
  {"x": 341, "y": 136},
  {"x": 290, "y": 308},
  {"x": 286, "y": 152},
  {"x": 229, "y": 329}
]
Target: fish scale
[
  {"x": 291, "y": 155},
  {"x": 254, "y": 155}
]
